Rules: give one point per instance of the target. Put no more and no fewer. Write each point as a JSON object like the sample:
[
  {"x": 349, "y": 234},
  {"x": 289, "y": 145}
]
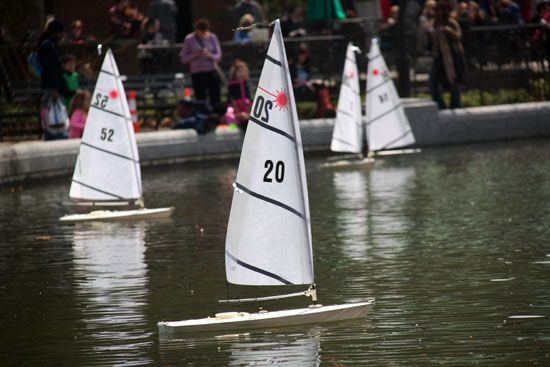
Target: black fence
[{"x": 498, "y": 57}]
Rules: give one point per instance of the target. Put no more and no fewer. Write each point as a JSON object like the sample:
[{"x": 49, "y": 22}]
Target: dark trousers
[
  {"x": 206, "y": 82},
  {"x": 436, "y": 75}
]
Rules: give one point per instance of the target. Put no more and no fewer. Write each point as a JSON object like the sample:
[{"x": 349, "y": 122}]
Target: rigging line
[
  {"x": 343, "y": 142},
  {"x": 374, "y": 57},
  {"x": 378, "y": 85},
  {"x": 350, "y": 88},
  {"x": 111, "y": 112},
  {"x": 275, "y": 61},
  {"x": 257, "y": 270},
  {"x": 298, "y": 146},
  {"x": 266, "y": 91},
  {"x": 108, "y": 152},
  {"x": 109, "y": 73},
  {"x": 384, "y": 114},
  {"x": 274, "y": 129},
  {"x": 98, "y": 190},
  {"x": 268, "y": 200},
  {"x": 351, "y": 60},
  {"x": 346, "y": 113},
  {"x": 396, "y": 140}
]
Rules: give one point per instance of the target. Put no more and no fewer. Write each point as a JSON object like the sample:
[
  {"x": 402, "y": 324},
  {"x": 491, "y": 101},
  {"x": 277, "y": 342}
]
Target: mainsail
[
  {"x": 347, "y": 135},
  {"x": 107, "y": 167},
  {"x": 269, "y": 236},
  {"x": 387, "y": 124}
]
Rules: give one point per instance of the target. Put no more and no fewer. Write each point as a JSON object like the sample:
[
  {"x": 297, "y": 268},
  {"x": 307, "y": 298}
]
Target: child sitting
[
  {"x": 69, "y": 84},
  {"x": 239, "y": 95},
  {"x": 80, "y": 105}
]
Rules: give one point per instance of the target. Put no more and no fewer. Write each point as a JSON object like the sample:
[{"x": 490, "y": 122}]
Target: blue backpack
[{"x": 34, "y": 64}]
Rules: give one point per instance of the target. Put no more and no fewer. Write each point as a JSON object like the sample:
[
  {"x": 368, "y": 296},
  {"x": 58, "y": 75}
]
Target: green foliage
[{"x": 476, "y": 97}]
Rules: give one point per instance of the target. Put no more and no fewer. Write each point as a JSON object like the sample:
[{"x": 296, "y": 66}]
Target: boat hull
[
  {"x": 272, "y": 319},
  {"x": 344, "y": 163},
  {"x": 118, "y": 215},
  {"x": 398, "y": 151}
]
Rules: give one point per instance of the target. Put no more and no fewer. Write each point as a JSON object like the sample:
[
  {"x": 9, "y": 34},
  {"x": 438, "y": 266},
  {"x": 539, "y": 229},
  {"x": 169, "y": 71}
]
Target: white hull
[
  {"x": 246, "y": 321},
  {"x": 343, "y": 163},
  {"x": 118, "y": 215},
  {"x": 398, "y": 151}
]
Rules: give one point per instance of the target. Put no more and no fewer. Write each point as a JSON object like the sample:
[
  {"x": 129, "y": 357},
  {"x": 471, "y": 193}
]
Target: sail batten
[
  {"x": 268, "y": 234},
  {"x": 107, "y": 164},
  {"x": 96, "y": 189},
  {"x": 269, "y": 200},
  {"x": 108, "y": 152},
  {"x": 347, "y": 135},
  {"x": 271, "y": 128},
  {"x": 387, "y": 126}
]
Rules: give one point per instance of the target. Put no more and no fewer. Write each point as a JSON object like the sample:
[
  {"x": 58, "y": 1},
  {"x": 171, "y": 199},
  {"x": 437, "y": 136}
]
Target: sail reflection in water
[
  {"x": 387, "y": 223},
  {"x": 109, "y": 264},
  {"x": 351, "y": 204},
  {"x": 278, "y": 349}
]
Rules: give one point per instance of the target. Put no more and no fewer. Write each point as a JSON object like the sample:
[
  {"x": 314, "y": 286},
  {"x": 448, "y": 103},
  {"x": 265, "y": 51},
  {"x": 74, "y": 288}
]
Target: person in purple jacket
[{"x": 201, "y": 50}]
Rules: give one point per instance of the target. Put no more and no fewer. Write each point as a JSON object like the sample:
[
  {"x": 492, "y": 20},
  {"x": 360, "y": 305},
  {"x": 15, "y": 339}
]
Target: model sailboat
[
  {"x": 269, "y": 236},
  {"x": 387, "y": 126},
  {"x": 107, "y": 171}
]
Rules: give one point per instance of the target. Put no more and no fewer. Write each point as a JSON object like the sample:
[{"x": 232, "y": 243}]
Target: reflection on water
[
  {"x": 452, "y": 243},
  {"x": 389, "y": 189},
  {"x": 109, "y": 263},
  {"x": 290, "y": 349},
  {"x": 351, "y": 205},
  {"x": 372, "y": 215},
  {"x": 286, "y": 347}
]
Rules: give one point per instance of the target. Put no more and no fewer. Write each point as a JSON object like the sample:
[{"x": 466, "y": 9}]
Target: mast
[
  {"x": 107, "y": 167},
  {"x": 268, "y": 235},
  {"x": 387, "y": 126},
  {"x": 347, "y": 135}
]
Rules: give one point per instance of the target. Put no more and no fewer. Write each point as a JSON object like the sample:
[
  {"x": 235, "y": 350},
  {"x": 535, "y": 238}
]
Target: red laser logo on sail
[
  {"x": 113, "y": 94},
  {"x": 375, "y": 72},
  {"x": 281, "y": 99}
]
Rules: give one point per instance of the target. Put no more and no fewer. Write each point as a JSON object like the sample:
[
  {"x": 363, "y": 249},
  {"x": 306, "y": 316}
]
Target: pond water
[{"x": 453, "y": 243}]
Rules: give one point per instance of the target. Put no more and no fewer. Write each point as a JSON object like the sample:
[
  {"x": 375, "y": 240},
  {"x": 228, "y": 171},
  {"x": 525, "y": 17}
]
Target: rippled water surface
[{"x": 453, "y": 243}]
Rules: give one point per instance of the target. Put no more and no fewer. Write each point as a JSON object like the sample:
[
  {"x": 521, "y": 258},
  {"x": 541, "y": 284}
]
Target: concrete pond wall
[{"x": 38, "y": 159}]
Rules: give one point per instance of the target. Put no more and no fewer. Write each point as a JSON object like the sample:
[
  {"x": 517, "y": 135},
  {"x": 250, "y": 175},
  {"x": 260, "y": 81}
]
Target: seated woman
[{"x": 239, "y": 97}]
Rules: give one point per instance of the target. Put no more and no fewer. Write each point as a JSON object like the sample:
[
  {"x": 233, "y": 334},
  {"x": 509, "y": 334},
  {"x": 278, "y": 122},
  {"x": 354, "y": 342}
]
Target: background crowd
[{"x": 442, "y": 28}]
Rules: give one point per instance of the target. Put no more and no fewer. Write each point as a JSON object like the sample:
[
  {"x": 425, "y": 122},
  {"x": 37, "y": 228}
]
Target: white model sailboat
[
  {"x": 347, "y": 135},
  {"x": 269, "y": 236},
  {"x": 107, "y": 170},
  {"x": 387, "y": 126}
]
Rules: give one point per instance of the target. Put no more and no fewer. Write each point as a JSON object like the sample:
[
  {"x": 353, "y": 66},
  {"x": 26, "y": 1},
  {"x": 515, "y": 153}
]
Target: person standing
[
  {"x": 165, "y": 11},
  {"x": 80, "y": 105},
  {"x": 201, "y": 50},
  {"x": 448, "y": 67},
  {"x": 51, "y": 76}
]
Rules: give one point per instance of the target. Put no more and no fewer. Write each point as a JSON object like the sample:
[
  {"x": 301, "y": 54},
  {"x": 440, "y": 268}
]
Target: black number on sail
[
  {"x": 383, "y": 97},
  {"x": 279, "y": 171},
  {"x": 261, "y": 105},
  {"x": 101, "y": 100},
  {"x": 107, "y": 134}
]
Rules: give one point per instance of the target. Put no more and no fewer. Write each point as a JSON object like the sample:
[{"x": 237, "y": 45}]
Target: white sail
[
  {"x": 107, "y": 167},
  {"x": 387, "y": 124},
  {"x": 347, "y": 135},
  {"x": 268, "y": 236}
]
